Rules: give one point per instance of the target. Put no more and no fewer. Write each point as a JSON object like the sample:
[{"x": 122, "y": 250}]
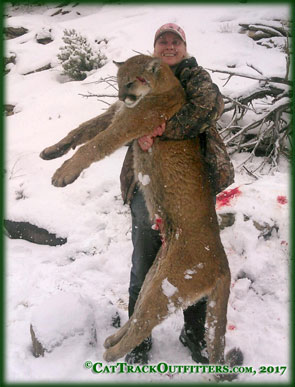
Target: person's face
[{"x": 170, "y": 48}]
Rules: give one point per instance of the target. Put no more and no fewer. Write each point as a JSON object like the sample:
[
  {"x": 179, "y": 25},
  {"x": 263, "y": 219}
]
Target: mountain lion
[{"x": 191, "y": 263}]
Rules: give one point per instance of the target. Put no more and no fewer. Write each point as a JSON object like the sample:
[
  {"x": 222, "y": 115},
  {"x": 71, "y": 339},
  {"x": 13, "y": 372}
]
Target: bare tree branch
[
  {"x": 89, "y": 95},
  {"x": 262, "y": 78}
]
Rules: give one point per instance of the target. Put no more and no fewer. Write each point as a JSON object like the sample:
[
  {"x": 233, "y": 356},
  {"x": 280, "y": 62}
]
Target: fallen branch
[
  {"x": 110, "y": 81},
  {"x": 271, "y": 28},
  {"x": 89, "y": 95},
  {"x": 249, "y": 76},
  {"x": 257, "y": 92},
  {"x": 250, "y": 173},
  {"x": 277, "y": 108}
]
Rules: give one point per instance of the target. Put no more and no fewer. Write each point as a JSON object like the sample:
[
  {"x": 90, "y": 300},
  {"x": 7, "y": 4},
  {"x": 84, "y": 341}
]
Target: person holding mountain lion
[
  {"x": 196, "y": 118},
  {"x": 193, "y": 116}
]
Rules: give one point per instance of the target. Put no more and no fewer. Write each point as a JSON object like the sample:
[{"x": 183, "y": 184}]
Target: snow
[
  {"x": 168, "y": 288},
  {"x": 53, "y": 320},
  {"x": 143, "y": 179},
  {"x": 66, "y": 290},
  {"x": 188, "y": 274}
]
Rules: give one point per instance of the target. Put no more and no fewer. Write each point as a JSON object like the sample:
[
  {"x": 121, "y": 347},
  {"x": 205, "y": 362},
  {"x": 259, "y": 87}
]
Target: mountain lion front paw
[
  {"x": 54, "y": 151},
  {"x": 66, "y": 174}
]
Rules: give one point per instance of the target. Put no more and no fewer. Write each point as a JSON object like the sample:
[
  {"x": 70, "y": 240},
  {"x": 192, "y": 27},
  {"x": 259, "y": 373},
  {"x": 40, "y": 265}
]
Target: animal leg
[
  {"x": 149, "y": 312},
  {"x": 157, "y": 299},
  {"x": 115, "y": 338},
  {"x": 100, "y": 146},
  {"x": 216, "y": 320},
  {"x": 82, "y": 134}
]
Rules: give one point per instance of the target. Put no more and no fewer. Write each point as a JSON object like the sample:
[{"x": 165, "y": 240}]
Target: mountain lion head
[{"x": 136, "y": 78}]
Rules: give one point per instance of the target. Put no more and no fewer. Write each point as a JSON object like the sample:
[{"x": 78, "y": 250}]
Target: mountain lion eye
[
  {"x": 129, "y": 85},
  {"x": 142, "y": 80}
]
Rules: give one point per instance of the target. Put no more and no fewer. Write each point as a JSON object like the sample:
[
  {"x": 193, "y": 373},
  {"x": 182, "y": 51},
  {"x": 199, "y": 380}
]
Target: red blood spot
[
  {"x": 158, "y": 225},
  {"x": 282, "y": 199},
  {"x": 224, "y": 198},
  {"x": 231, "y": 327},
  {"x": 142, "y": 80},
  {"x": 159, "y": 221}
]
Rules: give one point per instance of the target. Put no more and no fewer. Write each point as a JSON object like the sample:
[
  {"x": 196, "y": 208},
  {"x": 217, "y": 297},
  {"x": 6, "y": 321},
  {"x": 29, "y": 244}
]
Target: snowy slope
[{"x": 87, "y": 278}]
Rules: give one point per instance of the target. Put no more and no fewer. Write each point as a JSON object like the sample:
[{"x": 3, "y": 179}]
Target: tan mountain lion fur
[{"x": 191, "y": 263}]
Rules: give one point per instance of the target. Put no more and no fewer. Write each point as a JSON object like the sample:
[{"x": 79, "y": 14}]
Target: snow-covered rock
[{"x": 60, "y": 317}]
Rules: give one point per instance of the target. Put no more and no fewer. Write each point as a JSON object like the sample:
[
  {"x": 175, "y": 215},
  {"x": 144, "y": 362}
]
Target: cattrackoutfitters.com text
[{"x": 163, "y": 368}]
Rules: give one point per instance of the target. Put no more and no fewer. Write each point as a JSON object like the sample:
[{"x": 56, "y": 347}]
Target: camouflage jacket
[{"x": 197, "y": 117}]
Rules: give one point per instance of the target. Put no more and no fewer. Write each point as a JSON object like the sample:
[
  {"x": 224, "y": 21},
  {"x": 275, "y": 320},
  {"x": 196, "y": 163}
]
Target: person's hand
[
  {"x": 145, "y": 142},
  {"x": 159, "y": 130}
]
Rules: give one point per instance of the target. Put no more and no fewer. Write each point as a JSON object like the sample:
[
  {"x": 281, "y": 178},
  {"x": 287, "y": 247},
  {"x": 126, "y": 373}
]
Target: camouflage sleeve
[{"x": 204, "y": 105}]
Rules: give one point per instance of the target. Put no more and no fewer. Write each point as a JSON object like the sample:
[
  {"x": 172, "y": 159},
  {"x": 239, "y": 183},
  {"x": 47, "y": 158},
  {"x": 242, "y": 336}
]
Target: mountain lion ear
[
  {"x": 118, "y": 64},
  {"x": 154, "y": 65}
]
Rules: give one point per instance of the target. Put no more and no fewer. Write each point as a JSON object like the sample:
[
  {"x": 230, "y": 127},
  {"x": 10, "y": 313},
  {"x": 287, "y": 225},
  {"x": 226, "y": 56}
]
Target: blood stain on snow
[
  {"x": 282, "y": 200},
  {"x": 225, "y": 197},
  {"x": 231, "y": 327}
]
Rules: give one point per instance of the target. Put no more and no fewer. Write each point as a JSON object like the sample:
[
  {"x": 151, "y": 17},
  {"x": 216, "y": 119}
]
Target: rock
[
  {"x": 14, "y": 32},
  {"x": 38, "y": 349},
  {"x": 257, "y": 35},
  {"x": 262, "y": 32},
  {"x": 242, "y": 274},
  {"x": 226, "y": 220},
  {"x": 44, "y": 36},
  {"x": 31, "y": 233},
  {"x": 7, "y": 61},
  {"x": 59, "y": 318},
  {"x": 266, "y": 229},
  {"x": 9, "y": 109},
  {"x": 44, "y": 40},
  {"x": 60, "y": 12},
  {"x": 116, "y": 320},
  {"x": 43, "y": 68}
]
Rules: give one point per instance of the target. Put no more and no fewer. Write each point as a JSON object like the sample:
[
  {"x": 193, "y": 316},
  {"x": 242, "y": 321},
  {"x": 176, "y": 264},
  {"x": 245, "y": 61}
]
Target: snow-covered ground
[{"x": 67, "y": 290}]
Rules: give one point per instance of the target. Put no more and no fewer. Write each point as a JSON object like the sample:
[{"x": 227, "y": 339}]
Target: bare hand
[
  {"x": 145, "y": 142},
  {"x": 159, "y": 130}
]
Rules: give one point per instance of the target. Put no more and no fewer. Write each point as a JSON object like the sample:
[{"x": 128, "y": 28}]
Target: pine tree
[{"x": 77, "y": 56}]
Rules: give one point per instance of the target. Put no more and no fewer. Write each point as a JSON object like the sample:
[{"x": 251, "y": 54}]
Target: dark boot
[
  {"x": 193, "y": 333},
  {"x": 140, "y": 354}
]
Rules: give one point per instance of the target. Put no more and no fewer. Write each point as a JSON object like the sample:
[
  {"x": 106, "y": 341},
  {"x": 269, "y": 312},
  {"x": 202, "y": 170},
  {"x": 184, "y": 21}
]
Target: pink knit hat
[{"x": 170, "y": 27}]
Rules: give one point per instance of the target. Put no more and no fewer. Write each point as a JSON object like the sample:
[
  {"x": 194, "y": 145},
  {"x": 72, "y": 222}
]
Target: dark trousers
[{"x": 146, "y": 244}]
